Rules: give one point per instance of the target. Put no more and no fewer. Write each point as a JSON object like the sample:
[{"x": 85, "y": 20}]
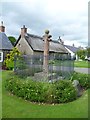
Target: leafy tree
[
  {"x": 81, "y": 54},
  {"x": 88, "y": 52},
  {"x": 9, "y": 61},
  {"x": 12, "y": 40},
  {"x": 83, "y": 57}
]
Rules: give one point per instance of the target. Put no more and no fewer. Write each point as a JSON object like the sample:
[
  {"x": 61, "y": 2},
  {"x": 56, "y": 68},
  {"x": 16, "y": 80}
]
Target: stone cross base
[{"x": 44, "y": 77}]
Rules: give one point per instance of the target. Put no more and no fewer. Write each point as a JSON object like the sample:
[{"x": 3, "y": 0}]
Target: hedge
[
  {"x": 57, "y": 92},
  {"x": 84, "y": 79}
]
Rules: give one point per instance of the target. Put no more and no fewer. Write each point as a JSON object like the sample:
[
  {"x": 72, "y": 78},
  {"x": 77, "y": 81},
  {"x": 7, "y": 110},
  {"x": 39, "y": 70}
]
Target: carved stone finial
[{"x": 46, "y": 31}]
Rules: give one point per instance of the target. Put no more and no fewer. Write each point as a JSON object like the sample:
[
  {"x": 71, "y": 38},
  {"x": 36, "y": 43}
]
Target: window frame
[{"x": 1, "y": 56}]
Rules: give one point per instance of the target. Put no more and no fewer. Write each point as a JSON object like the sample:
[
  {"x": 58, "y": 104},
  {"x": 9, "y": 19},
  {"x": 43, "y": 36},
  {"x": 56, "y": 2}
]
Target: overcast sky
[{"x": 65, "y": 18}]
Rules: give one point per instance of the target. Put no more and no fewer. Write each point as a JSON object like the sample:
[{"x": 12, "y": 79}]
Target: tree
[
  {"x": 81, "y": 54},
  {"x": 88, "y": 52},
  {"x": 12, "y": 40}
]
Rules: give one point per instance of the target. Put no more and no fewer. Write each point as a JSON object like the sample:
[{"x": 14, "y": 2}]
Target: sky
[{"x": 65, "y": 18}]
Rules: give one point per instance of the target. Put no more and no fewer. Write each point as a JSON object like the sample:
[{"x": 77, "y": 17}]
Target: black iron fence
[{"x": 32, "y": 66}]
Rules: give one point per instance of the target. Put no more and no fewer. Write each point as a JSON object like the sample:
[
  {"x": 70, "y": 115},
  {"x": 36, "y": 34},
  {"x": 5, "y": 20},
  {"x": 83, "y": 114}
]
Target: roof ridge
[
  {"x": 71, "y": 46},
  {"x": 34, "y": 35}
]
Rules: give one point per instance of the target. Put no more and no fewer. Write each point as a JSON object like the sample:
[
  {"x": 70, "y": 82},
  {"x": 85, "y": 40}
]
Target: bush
[
  {"x": 27, "y": 72},
  {"x": 58, "y": 92},
  {"x": 83, "y": 57},
  {"x": 51, "y": 62},
  {"x": 64, "y": 92},
  {"x": 20, "y": 63},
  {"x": 84, "y": 79},
  {"x": 9, "y": 61}
]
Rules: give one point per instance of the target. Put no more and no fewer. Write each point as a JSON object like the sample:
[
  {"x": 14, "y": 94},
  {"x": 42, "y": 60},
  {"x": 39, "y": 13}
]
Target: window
[
  {"x": 1, "y": 56},
  {"x": 19, "y": 45}
]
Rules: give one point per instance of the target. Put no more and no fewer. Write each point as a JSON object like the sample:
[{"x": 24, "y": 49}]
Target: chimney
[
  {"x": 61, "y": 41},
  {"x": 23, "y": 31},
  {"x": 73, "y": 45},
  {"x": 2, "y": 28}
]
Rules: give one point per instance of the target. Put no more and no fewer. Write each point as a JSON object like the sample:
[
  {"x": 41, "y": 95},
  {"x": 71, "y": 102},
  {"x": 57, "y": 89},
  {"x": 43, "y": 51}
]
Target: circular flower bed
[{"x": 57, "y": 92}]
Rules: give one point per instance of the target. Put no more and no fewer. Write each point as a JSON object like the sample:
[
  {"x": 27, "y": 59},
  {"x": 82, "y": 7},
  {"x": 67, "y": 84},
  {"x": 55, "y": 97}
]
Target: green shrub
[
  {"x": 58, "y": 92},
  {"x": 27, "y": 72},
  {"x": 64, "y": 91},
  {"x": 84, "y": 79},
  {"x": 51, "y": 61},
  {"x": 9, "y": 61},
  {"x": 83, "y": 57},
  {"x": 20, "y": 63}
]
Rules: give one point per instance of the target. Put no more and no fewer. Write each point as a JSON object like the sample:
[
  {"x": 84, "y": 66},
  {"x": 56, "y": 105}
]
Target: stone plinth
[{"x": 51, "y": 77}]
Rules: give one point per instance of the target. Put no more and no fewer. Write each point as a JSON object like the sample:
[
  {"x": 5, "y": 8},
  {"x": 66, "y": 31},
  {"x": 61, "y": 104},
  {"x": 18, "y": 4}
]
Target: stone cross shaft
[{"x": 47, "y": 39}]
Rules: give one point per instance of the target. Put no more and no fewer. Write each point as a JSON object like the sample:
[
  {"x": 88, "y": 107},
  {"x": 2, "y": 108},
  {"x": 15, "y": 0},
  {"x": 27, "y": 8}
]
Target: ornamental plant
[
  {"x": 84, "y": 79},
  {"x": 9, "y": 61},
  {"x": 44, "y": 92}
]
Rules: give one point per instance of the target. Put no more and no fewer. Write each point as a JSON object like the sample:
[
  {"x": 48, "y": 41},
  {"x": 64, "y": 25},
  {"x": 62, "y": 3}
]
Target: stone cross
[{"x": 47, "y": 39}]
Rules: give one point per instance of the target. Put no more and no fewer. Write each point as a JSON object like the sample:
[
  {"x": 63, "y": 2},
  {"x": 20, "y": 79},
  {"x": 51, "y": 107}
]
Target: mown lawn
[
  {"x": 0, "y": 95},
  {"x": 14, "y": 107},
  {"x": 83, "y": 64}
]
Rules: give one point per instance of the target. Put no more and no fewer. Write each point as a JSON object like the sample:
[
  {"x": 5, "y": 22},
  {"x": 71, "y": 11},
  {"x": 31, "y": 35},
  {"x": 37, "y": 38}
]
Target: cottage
[
  {"x": 5, "y": 44},
  {"x": 72, "y": 50},
  {"x": 30, "y": 44}
]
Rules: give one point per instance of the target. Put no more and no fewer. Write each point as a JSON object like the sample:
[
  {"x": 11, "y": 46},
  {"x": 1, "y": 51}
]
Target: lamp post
[{"x": 47, "y": 39}]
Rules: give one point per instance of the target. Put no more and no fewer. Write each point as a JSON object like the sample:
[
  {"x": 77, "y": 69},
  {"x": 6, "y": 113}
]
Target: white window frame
[{"x": 1, "y": 53}]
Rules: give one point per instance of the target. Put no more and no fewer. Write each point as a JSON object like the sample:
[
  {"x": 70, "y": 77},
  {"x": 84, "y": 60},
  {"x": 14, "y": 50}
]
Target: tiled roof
[
  {"x": 4, "y": 42},
  {"x": 72, "y": 48},
  {"x": 37, "y": 44}
]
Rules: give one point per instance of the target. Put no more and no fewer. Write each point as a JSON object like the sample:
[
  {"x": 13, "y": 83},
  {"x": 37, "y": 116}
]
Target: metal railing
[{"x": 32, "y": 66}]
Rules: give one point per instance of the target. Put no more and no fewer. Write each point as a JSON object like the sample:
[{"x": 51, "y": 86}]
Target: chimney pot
[
  {"x": 1, "y": 23},
  {"x": 60, "y": 40},
  {"x": 2, "y": 28},
  {"x": 23, "y": 26},
  {"x": 73, "y": 45},
  {"x": 23, "y": 31}
]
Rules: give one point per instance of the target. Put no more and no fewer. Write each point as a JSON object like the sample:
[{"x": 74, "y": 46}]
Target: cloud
[{"x": 59, "y": 16}]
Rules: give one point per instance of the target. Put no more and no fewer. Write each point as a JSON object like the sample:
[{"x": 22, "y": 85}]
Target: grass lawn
[
  {"x": 66, "y": 63},
  {"x": 0, "y": 96},
  {"x": 83, "y": 64},
  {"x": 14, "y": 107}
]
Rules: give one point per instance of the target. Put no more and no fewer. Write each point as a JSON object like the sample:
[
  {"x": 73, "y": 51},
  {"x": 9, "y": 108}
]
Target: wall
[
  {"x": 4, "y": 53},
  {"x": 72, "y": 54},
  {"x": 1, "y": 56},
  {"x": 24, "y": 47}
]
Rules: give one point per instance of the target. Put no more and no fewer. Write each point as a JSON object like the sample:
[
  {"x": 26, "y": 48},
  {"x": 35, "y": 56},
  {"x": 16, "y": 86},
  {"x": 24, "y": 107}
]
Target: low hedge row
[
  {"x": 84, "y": 79},
  {"x": 58, "y": 92}
]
